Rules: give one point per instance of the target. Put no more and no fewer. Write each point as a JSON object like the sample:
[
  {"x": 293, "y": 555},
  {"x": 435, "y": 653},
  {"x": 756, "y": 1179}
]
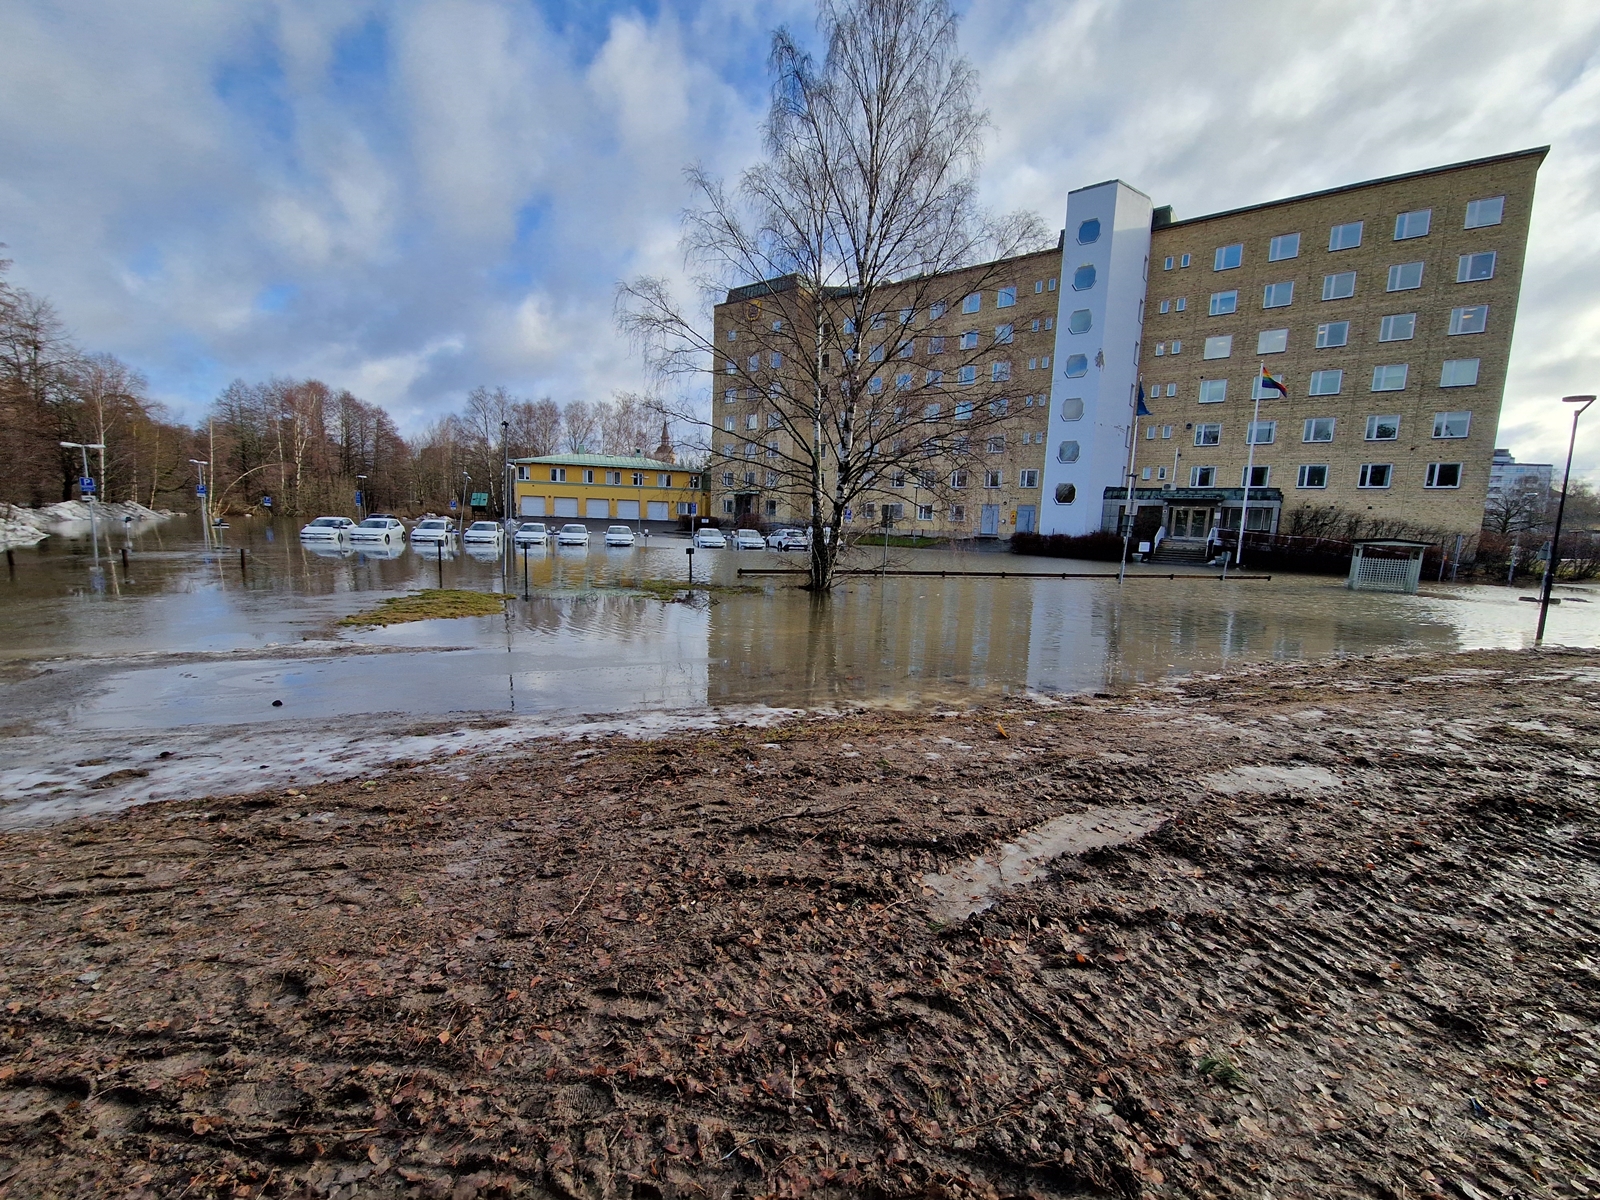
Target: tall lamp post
[
  {"x": 205, "y": 501},
  {"x": 1554, "y": 561},
  {"x": 86, "y": 485},
  {"x": 361, "y": 496}
]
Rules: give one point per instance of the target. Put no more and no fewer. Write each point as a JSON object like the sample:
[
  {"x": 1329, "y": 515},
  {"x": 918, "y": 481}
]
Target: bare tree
[
  {"x": 1513, "y": 511},
  {"x": 535, "y": 427},
  {"x": 864, "y": 206},
  {"x": 581, "y": 425},
  {"x": 624, "y": 425}
]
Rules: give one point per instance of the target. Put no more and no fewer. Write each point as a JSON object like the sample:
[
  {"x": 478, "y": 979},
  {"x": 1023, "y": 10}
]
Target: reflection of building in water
[{"x": 873, "y": 640}]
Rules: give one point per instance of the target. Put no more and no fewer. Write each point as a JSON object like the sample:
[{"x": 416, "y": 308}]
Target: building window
[
  {"x": 935, "y": 378},
  {"x": 772, "y": 449},
  {"x": 730, "y": 395},
  {"x": 727, "y": 479},
  {"x": 1083, "y": 278},
  {"x": 772, "y": 479},
  {"x": 1076, "y": 366},
  {"x": 752, "y": 420},
  {"x": 1383, "y": 429},
  {"x": 1175, "y": 347},
  {"x": 958, "y": 513},
  {"x": 1339, "y": 287},
  {"x": 1326, "y": 383},
  {"x": 1006, "y": 297},
  {"x": 1172, "y": 389},
  {"x": 1208, "y": 435},
  {"x": 1452, "y": 424},
  {"x": 558, "y": 474},
  {"x": 1485, "y": 212},
  {"x": 1166, "y": 433},
  {"x": 1002, "y": 335},
  {"x": 1278, "y": 295},
  {"x": 1223, "y": 303},
  {"x": 727, "y": 506},
  {"x": 1333, "y": 334},
  {"x": 969, "y": 339},
  {"x": 1472, "y": 267},
  {"x": 1403, "y": 277},
  {"x": 1255, "y": 477},
  {"x": 1202, "y": 477},
  {"x": 997, "y": 407},
  {"x": 991, "y": 479},
  {"x": 1185, "y": 260},
  {"x": 1413, "y": 224},
  {"x": 875, "y": 385},
  {"x": 731, "y": 367},
  {"x": 1472, "y": 319},
  {"x": 1050, "y": 284},
  {"x": 1181, "y": 304},
  {"x": 1028, "y": 479},
  {"x": 936, "y": 345},
  {"x": 1318, "y": 429},
  {"x": 524, "y": 474},
  {"x": 1227, "y": 258},
  {"x": 1166, "y": 264},
  {"x": 1261, "y": 433},
  {"x": 588, "y": 476},
  {"x": 1089, "y": 231},
  {"x": 995, "y": 445},
  {"x": 664, "y": 481},
  {"x": 937, "y": 309},
  {"x": 902, "y": 382},
  {"x": 1443, "y": 475},
  {"x": 971, "y": 303},
  {"x": 1401, "y": 327},
  {"x": 1459, "y": 372},
  {"x": 958, "y": 479},
  {"x": 1345, "y": 237},
  {"x": 924, "y": 512},
  {"x": 967, "y": 375},
  {"x": 879, "y": 320},
  {"x": 728, "y": 424},
  {"x": 613, "y": 478},
  {"x": 1166, "y": 306},
  {"x": 1285, "y": 245},
  {"x": 876, "y": 353},
  {"x": 1313, "y": 475},
  {"x": 1079, "y": 321},
  {"x": 1068, "y": 451},
  {"x": 1219, "y": 347},
  {"x": 906, "y": 348},
  {"x": 1213, "y": 391},
  {"x": 1389, "y": 378},
  {"x": 754, "y": 362},
  {"x": 638, "y": 479},
  {"x": 1071, "y": 408},
  {"x": 1375, "y": 475},
  {"x": 1272, "y": 341}
]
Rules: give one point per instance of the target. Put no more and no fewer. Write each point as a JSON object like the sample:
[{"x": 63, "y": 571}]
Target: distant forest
[{"x": 298, "y": 441}]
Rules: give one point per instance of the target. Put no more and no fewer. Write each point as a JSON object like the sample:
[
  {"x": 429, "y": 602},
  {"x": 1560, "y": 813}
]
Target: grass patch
[
  {"x": 430, "y": 604},
  {"x": 668, "y": 590}
]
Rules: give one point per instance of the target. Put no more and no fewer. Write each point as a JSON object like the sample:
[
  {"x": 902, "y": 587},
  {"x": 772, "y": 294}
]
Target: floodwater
[{"x": 187, "y": 636}]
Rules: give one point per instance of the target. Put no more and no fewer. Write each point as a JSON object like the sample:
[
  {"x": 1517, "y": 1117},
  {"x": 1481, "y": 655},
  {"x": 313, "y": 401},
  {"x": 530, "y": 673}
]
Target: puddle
[
  {"x": 1272, "y": 781},
  {"x": 976, "y": 884}
]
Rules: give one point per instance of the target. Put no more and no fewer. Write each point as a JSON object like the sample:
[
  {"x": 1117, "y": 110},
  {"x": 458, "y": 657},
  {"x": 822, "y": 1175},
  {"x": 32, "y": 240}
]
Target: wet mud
[{"x": 1301, "y": 930}]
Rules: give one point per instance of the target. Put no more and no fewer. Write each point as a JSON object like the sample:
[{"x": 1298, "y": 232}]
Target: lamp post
[
  {"x": 461, "y": 524},
  {"x": 361, "y": 496},
  {"x": 86, "y": 485},
  {"x": 205, "y": 500},
  {"x": 1554, "y": 561}
]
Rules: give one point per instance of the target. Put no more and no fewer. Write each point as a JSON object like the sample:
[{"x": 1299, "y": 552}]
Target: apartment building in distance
[{"x": 1384, "y": 308}]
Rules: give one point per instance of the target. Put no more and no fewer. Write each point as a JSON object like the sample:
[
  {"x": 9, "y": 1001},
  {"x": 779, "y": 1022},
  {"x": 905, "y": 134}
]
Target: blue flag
[{"x": 1141, "y": 411}]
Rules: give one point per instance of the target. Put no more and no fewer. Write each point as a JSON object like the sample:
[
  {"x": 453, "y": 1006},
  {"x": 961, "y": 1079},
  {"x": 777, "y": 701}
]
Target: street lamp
[
  {"x": 1554, "y": 561},
  {"x": 361, "y": 496},
  {"x": 205, "y": 500},
  {"x": 86, "y": 484},
  {"x": 462, "y": 524}
]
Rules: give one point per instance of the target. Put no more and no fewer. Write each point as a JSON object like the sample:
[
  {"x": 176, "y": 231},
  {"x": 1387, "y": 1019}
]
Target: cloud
[{"x": 414, "y": 197}]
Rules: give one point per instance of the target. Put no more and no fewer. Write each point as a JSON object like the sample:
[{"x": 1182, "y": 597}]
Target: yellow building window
[{"x": 588, "y": 476}]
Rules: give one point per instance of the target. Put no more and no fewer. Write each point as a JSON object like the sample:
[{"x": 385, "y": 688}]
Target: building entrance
[{"x": 1190, "y": 522}]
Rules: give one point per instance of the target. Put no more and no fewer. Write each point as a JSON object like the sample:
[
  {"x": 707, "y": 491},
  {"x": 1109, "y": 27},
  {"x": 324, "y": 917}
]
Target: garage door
[
  {"x": 533, "y": 506},
  {"x": 656, "y": 510},
  {"x": 566, "y": 506},
  {"x": 627, "y": 510},
  {"x": 597, "y": 508}
]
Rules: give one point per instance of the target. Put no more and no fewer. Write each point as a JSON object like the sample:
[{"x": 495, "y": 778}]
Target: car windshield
[
  {"x": 326, "y": 523},
  {"x": 574, "y": 529},
  {"x": 431, "y": 525},
  {"x": 375, "y": 523},
  {"x": 619, "y": 529},
  {"x": 485, "y": 526},
  {"x": 531, "y": 527}
]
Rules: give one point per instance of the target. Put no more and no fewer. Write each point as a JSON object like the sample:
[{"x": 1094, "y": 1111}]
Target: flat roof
[
  {"x": 630, "y": 462},
  {"x": 1537, "y": 151}
]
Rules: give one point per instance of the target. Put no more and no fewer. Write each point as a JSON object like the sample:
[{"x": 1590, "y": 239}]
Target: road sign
[
  {"x": 454, "y": 506},
  {"x": 86, "y": 484},
  {"x": 480, "y": 499},
  {"x": 266, "y": 501},
  {"x": 358, "y": 499},
  {"x": 201, "y": 490}
]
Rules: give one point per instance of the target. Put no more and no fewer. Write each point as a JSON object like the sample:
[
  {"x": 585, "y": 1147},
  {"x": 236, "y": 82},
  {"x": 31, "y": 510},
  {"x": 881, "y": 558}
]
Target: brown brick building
[{"x": 1386, "y": 309}]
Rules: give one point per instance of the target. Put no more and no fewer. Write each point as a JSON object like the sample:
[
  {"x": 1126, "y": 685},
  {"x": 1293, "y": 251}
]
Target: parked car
[
  {"x": 788, "y": 539},
  {"x": 335, "y": 530},
  {"x": 379, "y": 530},
  {"x": 748, "y": 539},
  {"x": 572, "y": 535},
  {"x": 532, "y": 533},
  {"x": 482, "y": 533},
  {"x": 619, "y": 535},
  {"x": 709, "y": 539},
  {"x": 433, "y": 529}
]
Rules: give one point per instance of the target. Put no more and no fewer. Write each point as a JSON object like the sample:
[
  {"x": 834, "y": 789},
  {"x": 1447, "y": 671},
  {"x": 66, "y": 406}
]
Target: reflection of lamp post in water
[
  {"x": 1553, "y": 563},
  {"x": 86, "y": 486}
]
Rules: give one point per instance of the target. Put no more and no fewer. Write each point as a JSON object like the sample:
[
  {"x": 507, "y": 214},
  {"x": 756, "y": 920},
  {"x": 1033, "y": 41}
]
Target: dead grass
[{"x": 430, "y": 604}]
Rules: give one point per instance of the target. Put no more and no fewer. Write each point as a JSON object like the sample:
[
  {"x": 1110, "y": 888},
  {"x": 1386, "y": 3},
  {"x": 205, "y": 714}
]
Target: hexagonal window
[
  {"x": 1067, "y": 452},
  {"x": 1076, "y": 366},
  {"x": 1066, "y": 493},
  {"x": 1072, "y": 409}
]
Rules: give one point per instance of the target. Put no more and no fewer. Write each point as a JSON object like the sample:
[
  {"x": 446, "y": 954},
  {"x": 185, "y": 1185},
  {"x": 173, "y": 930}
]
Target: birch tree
[{"x": 864, "y": 203}]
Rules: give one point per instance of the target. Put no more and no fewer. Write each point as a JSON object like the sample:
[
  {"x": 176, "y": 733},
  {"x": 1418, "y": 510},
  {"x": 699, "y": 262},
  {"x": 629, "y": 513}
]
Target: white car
[
  {"x": 748, "y": 539},
  {"x": 325, "y": 530},
  {"x": 433, "y": 529},
  {"x": 482, "y": 533},
  {"x": 532, "y": 533},
  {"x": 788, "y": 539},
  {"x": 380, "y": 531},
  {"x": 572, "y": 535},
  {"x": 709, "y": 539},
  {"x": 619, "y": 535}
]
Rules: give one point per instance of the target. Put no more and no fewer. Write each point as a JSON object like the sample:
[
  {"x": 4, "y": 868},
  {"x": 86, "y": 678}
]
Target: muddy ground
[{"x": 1349, "y": 945}]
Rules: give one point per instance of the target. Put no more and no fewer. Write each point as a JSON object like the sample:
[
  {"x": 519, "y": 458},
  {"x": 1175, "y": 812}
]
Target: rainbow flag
[{"x": 1277, "y": 385}]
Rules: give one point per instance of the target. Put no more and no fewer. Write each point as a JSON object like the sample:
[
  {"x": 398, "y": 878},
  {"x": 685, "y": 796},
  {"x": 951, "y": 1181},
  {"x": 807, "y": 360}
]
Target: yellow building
[{"x": 606, "y": 487}]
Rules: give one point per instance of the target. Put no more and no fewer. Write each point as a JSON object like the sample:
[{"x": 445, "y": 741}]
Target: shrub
[{"x": 1096, "y": 547}]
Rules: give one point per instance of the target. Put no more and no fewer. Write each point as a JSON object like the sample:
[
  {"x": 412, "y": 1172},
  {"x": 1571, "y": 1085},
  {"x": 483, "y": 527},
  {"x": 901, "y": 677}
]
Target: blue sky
[{"x": 412, "y": 198}]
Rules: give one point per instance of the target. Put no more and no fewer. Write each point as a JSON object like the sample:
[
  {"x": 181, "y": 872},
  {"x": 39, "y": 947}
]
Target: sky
[{"x": 412, "y": 198}]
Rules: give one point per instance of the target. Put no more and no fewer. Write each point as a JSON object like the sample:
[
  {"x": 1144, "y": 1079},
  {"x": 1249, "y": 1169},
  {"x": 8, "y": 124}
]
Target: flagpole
[
  {"x": 1250, "y": 463},
  {"x": 1133, "y": 448}
]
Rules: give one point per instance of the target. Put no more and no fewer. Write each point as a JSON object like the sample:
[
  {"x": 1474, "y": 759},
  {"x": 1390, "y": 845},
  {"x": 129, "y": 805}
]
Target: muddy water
[{"x": 187, "y": 633}]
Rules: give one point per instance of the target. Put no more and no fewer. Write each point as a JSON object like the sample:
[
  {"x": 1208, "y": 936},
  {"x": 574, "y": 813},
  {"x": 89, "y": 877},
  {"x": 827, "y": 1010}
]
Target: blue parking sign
[
  {"x": 86, "y": 484},
  {"x": 201, "y": 490}
]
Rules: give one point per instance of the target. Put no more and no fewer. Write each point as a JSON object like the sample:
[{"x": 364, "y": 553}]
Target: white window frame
[
  {"x": 1301, "y": 479},
  {"x": 1270, "y": 295},
  {"x": 1405, "y": 277},
  {"x": 1384, "y": 378},
  {"x": 1442, "y": 423},
  {"x": 1224, "y": 304},
  {"x": 1325, "y": 331},
  {"x": 1313, "y": 426},
  {"x": 1284, "y": 246},
  {"x": 1213, "y": 391},
  {"x": 1331, "y": 284},
  {"x": 1436, "y": 471},
  {"x": 1200, "y": 477},
  {"x": 1364, "y": 476},
  {"x": 1459, "y": 318},
  {"x": 1318, "y": 384},
  {"x": 972, "y": 302},
  {"x": 1499, "y": 211},
  {"x": 1338, "y": 235},
  {"x": 1208, "y": 433},
  {"x": 1005, "y": 297},
  {"x": 1220, "y": 346},
  {"x": 1464, "y": 264},
  {"x": 1405, "y": 224},
  {"x": 1228, "y": 258},
  {"x": 1272, "y": 341},
  {"x": 1375, "y": 427},
  {"x": 993, "y": 479},
  {"x": 1394, "y": 321},
  {"x": 1445, "y": 372},
  {"x": 1254, "y": 429},
  {"x": 1028, "y": 478}
]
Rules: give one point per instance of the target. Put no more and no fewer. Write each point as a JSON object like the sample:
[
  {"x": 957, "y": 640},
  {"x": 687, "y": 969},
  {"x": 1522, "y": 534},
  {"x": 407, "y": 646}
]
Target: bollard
[
  {"x": 241, "y": 560},
  {"x": 124, "y": 562},
  {"x": 11, "y": 563},
  {"x": 440, "y": 546}
]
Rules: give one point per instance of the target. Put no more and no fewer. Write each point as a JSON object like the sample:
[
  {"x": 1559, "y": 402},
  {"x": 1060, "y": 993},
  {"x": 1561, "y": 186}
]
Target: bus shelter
[{"x": 1386, "y": 565}]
